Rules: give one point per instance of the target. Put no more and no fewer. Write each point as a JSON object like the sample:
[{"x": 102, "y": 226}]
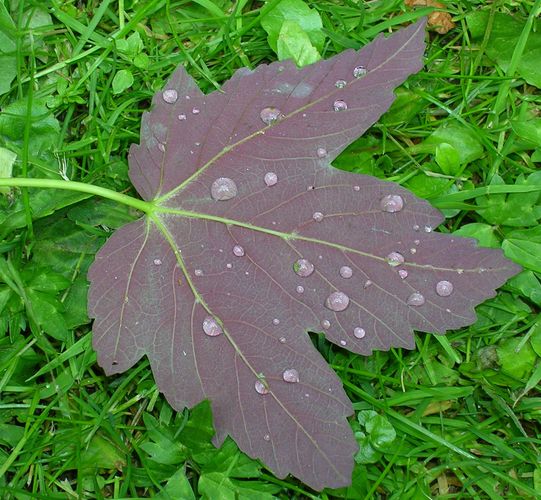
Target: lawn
[{"x": 458, "y": 417}]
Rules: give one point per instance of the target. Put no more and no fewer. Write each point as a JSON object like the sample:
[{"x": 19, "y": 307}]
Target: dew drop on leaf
[
  {"x": 291, "y": 375},
  {"x": 260, "y": 387},
  {"x": 416, "y": 227},
  {"x": 416, "y": 299},
  {"x": 270, "y": 115},
  {"x": 392, "y": 203},
  {"x": 403, "y": 274},
  {"x": 340, "y": 105},
  {"x": 356, "y": 188},
  {"x": 300, "y": 289},
  {"x": 428, "y": 229},
  {"x": 325, "y": 324},
  {"x": 282, "y": 340},
  {"x": 195, "y": 111},
  {"x": 266, "y": 437},
  {"x": 157, "y": 262},
  {"x": 170, "y": 96},
  {"x": 317, "y": 216},
  {"x": 444, "y": 288},
  {"x": 359, "y": 332},
  {"x": 182, "y": 117},
  {"x": 337, "y": 301},
  {"x": 359, "y": 71},
  {"x": 223, "y": 189},
  {"x": 270, "y": 179},
  {"x": 198, "y": 272},
  {"x": 340, "y": 84},
  {"x": 229, "y": 265},
  {"x": 303, "y": 267},
  {"x": 211, "y": 327},
  {"x": 238, "y": 250},
  {"x": 346, "y": 272},
  {"x": 394, "y": 259},
  {"x": 343, "y": 342},
  {"x": 321, "y": 152},
  {"x": 275, "y": 321}
]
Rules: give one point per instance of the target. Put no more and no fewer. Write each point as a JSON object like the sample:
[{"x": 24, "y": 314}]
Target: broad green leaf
[
  {"x": 122, "y": 81},
  {"x": 448, "y": 159},
  {"x": 516, "y": 358},
  {"x": 462, "y": 139},
  {"x": 294, "y": 43},
  {"x": 7, "y": 158},
  {"x": 8, "y": 61},
  {"x": 177, "y": 487},
  {"x": 485, "y": 234},
  {"x": 524, "y": 247}
]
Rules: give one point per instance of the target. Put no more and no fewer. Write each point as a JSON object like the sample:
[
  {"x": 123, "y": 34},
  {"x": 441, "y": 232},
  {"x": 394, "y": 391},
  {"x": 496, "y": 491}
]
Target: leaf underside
[{"x": 159, "y": 280}]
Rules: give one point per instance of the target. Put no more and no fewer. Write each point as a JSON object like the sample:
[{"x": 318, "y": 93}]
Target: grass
[{"x": 465, "y": 408}]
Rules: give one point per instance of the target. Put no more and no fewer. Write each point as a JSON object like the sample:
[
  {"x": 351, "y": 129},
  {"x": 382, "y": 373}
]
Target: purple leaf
[{"x": 255, "y": 239}]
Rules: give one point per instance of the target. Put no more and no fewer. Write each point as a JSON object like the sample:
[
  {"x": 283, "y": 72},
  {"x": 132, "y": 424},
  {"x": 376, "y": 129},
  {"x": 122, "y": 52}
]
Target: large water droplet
[
  {"x": 359, "y": 332},
  {"x": 337, "y": 301},
  {"x": 317, "y": 216},
  {"x": 291, "y": 375},
  {"x": 321, "y": 152},
  {"x": 170, "y": 96},
  {"x": 325, "y": 324},
  {"x": 300, "y": 289},
  {"x": 444, "y": 288},
  {"x": 270, "y": 179},
  {"x": 359, "y": 71},
  {"x": 403, "y": 274},
  {"x": 238, "y": 251},
  {"x": 270, "y": 115},
  {"x": 211, "y": 327},
  {"x": 340, "y": 84},
  {"x": 340, "y": 105},
  {"x": 260, "y": 387},
  {"x": 394, "y": 259},
  {"x": 346, "y": 272},
  {"x": 416, "y": 299},
  {"x": 157, "y": 262},
  {"x": 303, "y": 267},
  {"x": 223, "y": 189},
  {"x": 392, "y": 203}
]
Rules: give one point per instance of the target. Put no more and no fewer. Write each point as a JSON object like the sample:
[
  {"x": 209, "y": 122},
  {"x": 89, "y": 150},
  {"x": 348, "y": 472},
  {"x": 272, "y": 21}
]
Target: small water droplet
[
  {"x": 282, "y": 340},
  {"x": 337, "y": 301},
  {"x": 223, "y": 189},
  {"x": 444, "y": 288},
  {"x": 266, "y": 437},
  {"x": 275, "y": 321},
  {"x": 359, "y": 332},
  {"x": 260, "y": 387},
  {"x": 340, "y": 105},
  {"x": 416, "y": 227},
  {"x": 270, "y": 179},
  {"x": 321, "y": 152},
  {"x": 403, "y": 274},
  {"x": 392, "y": 203},
  {"x": 300, "y": 289},
  {"x": 161, "y": 147},
  {"x": 356, "y": 188},
  {"x": 229, "y": 265},
  {"x": 195, "y": 111},
  {"x": 359, "y": 71},
  {"x": 170, "y": 96},
  {"x": 343, "y": 342},
  {"x": 211, "y": 327},
  {"x": 367, "y": 283},
  {"x": 346, "y": 272},
  {"x": 291, "y": 375},
  {"x": 416, "y": 242},
  {"x": 340, "y": 84},
  {"x": 317, "y": 216},
  {"x": 238, "y": 250},
  {"x": 413, "y": 251},
  {"x": 325, "y": 324},
  {"x": 270, "y": 115},
  {"x": 428, "y": 229},
  {"x": 198, "y": 144},
  {"x": 415, "y": 299},
  {"x": 303, "y": 267},
  {"x": 182, "y": 117},
  {"x": 460, "y": 271},
  {"x": 394, "y": 259},
  {"x": 157, "y": 262},
  {"x": 198, "y": 272}
]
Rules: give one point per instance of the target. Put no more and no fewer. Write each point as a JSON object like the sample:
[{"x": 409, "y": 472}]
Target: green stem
[{"x": 144, "y": 206}]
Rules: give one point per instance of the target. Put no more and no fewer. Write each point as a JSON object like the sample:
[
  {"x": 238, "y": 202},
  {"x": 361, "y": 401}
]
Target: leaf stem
[{"x": 143, "y": 206}]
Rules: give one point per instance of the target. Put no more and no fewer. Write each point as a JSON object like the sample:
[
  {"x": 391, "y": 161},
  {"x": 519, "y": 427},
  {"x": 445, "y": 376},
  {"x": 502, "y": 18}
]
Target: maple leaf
[{"x": 254, "y": 240}]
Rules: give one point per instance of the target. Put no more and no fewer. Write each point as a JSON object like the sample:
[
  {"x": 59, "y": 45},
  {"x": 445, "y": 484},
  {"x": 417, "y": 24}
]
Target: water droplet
[
  {"x": 266, "y": 437},
  {"x": 415, "y": 299},
  {"x": 195, "y": 111},
  {"x": 260, "y": 387},
  {"x": 325, "y": 324},
  {"x": 346, "y": 272},
  {"x": 340, "y": 84},
  {"x": 356, "y": 188},
  {"x": 170, "y": 96},
  {"x": 359, "y": 71},
  {"x": 198, "y": 272},
  {"x": 282, "y": 340},
  {"x": 413, "y": 251},
  {"x": 403, "y": 274},
  {"x": 223, "y": 189},
  {"x": 416, "y": 242},
  {"x": 317, "y": 216},
  {"x": 161, "y": 147},
  {"x": 270, "y": 115},
  {"x": 182, "y": 117},
  {"x": 291, "y": 375},
  {"x": 211, "y": 327},
  {"x": 359, "y": 332},
  {"x": 303, "y": 267},
  {"x": 392, "y": 203},
  {"x": 270, "y": 179},
  {"x": 343, "y": 342},
  {"x": 321, "y": 152},
  {"x": 367, "y": 283},
  {"x": 238, "y": 250},
  {"x": 337, "y": 301},
  {"x": 157, "y": 262},
  {"x": 394, "y": 259},
  {"x": 340, "y": 105},
  {"x": 300, "y": 289},
  {"x": 229, "y": 265},
  {"x": 275, "y": 321},
  {"x": 444, "y": 288},
  {"x": 416, "y": 227},
  {"x": 428, "y": 229},
  {"x": 460, "y": 271}
]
